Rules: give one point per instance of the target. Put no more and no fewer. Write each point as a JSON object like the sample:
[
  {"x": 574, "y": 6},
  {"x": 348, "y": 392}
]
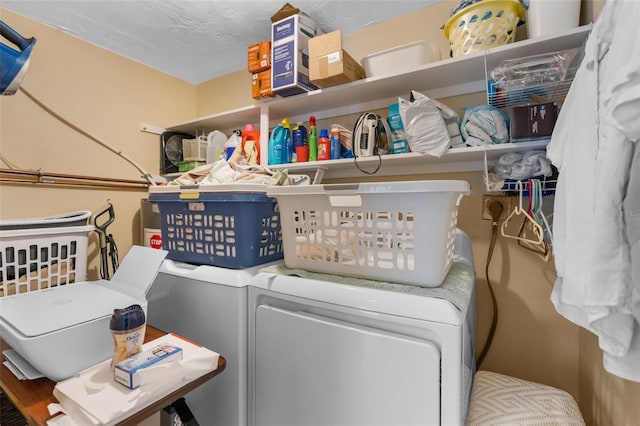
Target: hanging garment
[{"x": 596, "y": 211}]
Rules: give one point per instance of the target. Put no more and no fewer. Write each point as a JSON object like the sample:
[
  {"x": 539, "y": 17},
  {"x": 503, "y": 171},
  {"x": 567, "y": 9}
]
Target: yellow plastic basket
[{"x": 482, "y": 25}]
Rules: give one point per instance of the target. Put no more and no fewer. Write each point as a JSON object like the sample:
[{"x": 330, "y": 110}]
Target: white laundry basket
[
  {"x": 41, "y": 253},
  {"x": 401, "y": 232}
]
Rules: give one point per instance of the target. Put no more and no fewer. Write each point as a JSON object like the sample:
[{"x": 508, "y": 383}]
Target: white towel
[{"x": 522, "y": 166}]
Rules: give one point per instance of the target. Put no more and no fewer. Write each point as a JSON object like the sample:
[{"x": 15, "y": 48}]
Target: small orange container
[
  {"x": 259, "y": 56},
  {"x": 261, "y": 84}
]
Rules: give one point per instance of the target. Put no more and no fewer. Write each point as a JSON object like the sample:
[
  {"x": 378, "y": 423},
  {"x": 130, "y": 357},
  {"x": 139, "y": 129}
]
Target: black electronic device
[{"x": 171, "y": 151}]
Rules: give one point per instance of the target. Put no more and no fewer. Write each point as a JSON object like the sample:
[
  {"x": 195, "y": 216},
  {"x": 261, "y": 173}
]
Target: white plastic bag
[{"x": 424, "y": 125}]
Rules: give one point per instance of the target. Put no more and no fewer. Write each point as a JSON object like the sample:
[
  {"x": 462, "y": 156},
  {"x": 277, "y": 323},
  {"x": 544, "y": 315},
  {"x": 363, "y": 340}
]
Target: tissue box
[
  {"x": 127, "y": 371},
  {"x": 290, "y": 54},
  {"x": 329, "y": 64}
]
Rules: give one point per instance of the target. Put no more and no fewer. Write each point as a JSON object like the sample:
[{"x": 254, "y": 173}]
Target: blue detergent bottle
[
  {"x": 288, "y": 143},
  {"x": 280, "y": 144},
  {"x": 299, "y": 138}
]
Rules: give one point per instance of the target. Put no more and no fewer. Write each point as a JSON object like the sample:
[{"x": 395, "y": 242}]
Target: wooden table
[{"x": 31, "y": 397}]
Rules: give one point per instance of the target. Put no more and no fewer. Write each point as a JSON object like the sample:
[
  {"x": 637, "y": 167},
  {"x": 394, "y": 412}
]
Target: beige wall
[
  {"x": 104, "y": 94},
  {"x": 110, "y": 96}
]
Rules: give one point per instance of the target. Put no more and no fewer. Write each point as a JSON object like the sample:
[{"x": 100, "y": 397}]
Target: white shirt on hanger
[{"x": 596, "y": 223}]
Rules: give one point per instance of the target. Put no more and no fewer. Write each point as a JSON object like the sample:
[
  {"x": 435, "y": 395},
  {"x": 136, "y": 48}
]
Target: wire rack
[
  {"x": 548, "y": 185},
  {"x": 494, "y": 183},
  {"x": 517, "y": 96}
]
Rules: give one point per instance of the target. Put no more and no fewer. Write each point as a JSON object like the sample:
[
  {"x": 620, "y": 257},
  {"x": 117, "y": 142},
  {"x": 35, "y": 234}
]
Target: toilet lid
[{"x": 46, "y": 311}]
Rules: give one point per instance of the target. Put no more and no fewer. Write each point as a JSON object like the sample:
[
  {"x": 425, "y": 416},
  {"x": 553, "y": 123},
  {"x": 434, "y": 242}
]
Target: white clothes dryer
[
  {"x": 324, "y": 350},
  {"x": 208, "y": 305}
]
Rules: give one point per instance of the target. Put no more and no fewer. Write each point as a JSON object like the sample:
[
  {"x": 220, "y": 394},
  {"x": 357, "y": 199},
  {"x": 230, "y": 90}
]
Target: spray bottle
[{"x": 313, "y": 140}]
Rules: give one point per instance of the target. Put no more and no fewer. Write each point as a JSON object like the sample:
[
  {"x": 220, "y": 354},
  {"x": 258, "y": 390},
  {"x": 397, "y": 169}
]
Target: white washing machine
[
  {"x": 208, "y": 305},
  {"x": 361, "y": 353}
]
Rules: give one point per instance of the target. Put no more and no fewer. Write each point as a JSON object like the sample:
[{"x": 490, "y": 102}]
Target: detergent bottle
[
  {"x": 299, "y": 138},
  {"x": 313, "y": 139},
  {"x": 232, "y": 143},
  {"x": 324, "y": 145},
  {"x": 215, "y": 146},
  {"x": 288, "y": 143},
  {"x": 278, "y": 143},
  {"x": 251, "y": 144}
]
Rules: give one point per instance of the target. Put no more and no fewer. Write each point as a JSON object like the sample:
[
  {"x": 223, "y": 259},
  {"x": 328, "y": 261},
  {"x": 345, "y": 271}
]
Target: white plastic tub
[
  {"x": 552, "y": 16},
  {"x": 400, "y": 232},
  {"x": 401, "y": 58}
]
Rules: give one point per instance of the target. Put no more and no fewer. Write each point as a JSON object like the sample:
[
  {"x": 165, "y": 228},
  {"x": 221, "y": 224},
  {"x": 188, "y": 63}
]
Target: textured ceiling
[{"x": 196, "y": 40}]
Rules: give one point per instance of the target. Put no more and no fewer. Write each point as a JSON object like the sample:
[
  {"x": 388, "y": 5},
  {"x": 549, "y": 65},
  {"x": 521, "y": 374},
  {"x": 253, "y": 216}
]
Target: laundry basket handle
[{"x": 343, "y": 195}]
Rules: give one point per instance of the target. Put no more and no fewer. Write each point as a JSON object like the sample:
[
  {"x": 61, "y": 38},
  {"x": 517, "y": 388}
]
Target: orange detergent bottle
[{"x": 251, "y": 144}]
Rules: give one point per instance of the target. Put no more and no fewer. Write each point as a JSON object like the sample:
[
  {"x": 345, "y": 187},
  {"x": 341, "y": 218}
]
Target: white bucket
[{"x": 552, "y": 16}]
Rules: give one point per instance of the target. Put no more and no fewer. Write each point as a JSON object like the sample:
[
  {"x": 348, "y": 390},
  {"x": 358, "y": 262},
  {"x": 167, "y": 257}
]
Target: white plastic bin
[
  {"x": 552, "y": 16},
  {"x": 401, "y": 58},
  {"x": 401, "y": 232}
]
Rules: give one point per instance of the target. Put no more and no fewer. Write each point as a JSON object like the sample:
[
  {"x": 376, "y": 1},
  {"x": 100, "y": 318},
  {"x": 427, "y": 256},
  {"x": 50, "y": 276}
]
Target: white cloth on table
[{"x": 597, "y": 210}]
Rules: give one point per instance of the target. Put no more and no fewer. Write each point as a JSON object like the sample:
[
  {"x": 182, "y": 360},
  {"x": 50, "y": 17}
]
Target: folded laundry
[
  {"x": 522, "y": 166},
  {"x": 223, "y": 172},
  {"x": 484, "y": 125}
]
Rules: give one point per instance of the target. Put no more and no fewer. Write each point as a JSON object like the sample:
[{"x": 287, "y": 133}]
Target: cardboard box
[
  {"x": 329, "y": 64},
  {"x": 259, "y": 56},
  {"x": 284, "y": 12},
  {"x": 127, "y": 371},
  {"x": 532, "y": 121},
  {"x": 261, "y": 84},
  {"x": 290, "y": 54}
]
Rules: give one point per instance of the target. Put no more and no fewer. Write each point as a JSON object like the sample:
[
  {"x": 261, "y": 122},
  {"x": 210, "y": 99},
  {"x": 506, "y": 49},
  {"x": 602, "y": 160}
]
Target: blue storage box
[{"x": 231, "y": 226}]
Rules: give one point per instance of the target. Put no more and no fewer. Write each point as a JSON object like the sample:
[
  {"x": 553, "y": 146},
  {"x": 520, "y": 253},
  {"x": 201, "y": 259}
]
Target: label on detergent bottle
[
  {"x": 250, "y": 143},
  {"x": 232, "y": 143}
]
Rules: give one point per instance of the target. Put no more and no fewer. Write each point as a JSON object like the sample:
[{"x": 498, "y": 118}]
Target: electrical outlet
[{"x": 487, "y": 199}]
